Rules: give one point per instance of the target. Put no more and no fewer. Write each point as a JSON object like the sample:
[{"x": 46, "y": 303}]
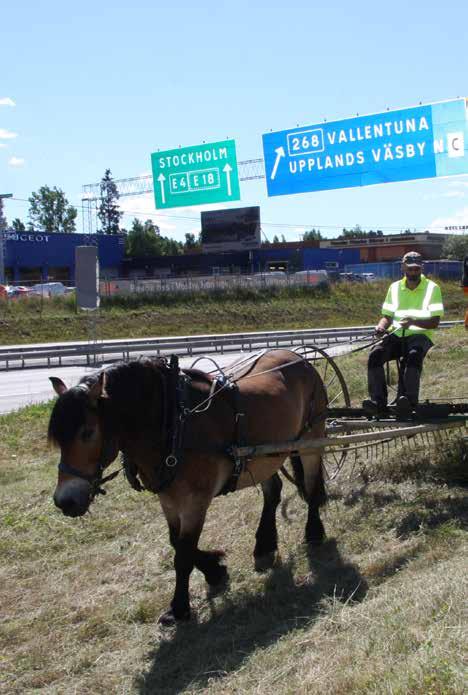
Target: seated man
[{"x": 413, "y": 308}]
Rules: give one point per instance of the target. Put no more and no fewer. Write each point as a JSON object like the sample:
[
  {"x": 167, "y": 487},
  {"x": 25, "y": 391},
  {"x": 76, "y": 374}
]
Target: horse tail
[{"x": 298, "y": 472}]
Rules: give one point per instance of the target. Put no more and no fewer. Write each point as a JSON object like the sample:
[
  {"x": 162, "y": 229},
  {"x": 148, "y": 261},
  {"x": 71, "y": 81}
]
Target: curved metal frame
[{"x": 337, "y": 457}]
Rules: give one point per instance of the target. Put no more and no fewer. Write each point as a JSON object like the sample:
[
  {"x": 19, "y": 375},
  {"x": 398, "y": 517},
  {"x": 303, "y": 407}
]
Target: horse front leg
[
  {"x": 184, "y": 561},
  {"x": 185, "y": 528},
  {"x": 266, "y": 545},
  {"x": 207, "y": 561}
]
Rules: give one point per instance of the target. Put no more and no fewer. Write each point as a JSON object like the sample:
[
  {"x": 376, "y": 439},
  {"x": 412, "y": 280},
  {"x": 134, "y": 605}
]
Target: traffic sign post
[
  {"x": 415, "y": 143},
  {"x": 197, "y": 175}
]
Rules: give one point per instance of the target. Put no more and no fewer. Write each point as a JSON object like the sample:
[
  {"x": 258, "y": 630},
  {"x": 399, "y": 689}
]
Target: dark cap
[{"x": 412, "y": 258}]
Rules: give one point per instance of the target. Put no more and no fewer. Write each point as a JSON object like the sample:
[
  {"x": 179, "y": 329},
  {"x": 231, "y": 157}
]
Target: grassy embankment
[
  {"x": 27, "y": 321},
  {"x": 378, "y": 609}
]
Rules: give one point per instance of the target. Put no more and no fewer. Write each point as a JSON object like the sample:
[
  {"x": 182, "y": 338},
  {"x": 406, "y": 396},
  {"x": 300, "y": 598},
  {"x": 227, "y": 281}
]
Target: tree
[
  {"x": 192, "y": 245},
  {"x": 50, "y": 211},
  {"x": 276, "y": 239},
  {"x": 312, "y": 235},
  {"x": 456, "y": 247},
  {"x": 144, "y": 240},
  {"x": 108, "y": 211},
  {"x": 18, "y": 225},
  {"x": 3, "y": 220}
]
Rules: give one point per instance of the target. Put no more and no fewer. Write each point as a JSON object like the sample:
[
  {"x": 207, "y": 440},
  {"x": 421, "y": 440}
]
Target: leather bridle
[{"x": 96, "y": 480}]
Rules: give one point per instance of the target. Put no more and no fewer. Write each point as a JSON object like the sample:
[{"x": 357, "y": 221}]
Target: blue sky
[{"x": 90, "y": 86}]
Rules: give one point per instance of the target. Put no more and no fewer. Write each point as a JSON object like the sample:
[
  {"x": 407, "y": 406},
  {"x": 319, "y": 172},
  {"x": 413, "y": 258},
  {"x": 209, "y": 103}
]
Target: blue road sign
[{"x": 415, "y": 143}]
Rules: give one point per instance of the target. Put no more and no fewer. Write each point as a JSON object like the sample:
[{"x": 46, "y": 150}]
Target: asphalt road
[
  {"x": 21, "y": 387},
  {"x": 26, "y": 386}
]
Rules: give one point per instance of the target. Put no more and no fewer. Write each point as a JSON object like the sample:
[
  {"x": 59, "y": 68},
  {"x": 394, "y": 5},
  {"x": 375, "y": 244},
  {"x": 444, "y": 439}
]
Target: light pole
[{"x": 2, "y": 244}]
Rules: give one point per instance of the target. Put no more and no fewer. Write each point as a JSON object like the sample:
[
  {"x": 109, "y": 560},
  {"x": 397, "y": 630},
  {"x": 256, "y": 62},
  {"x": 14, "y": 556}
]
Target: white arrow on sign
[
  {"x": 279, "y": 153},
  {"x": 227, "y": 170},
  {"x": 161, "y": 179}
]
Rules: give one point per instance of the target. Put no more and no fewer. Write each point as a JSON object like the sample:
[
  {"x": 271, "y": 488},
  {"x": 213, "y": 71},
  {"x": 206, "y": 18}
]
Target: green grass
[
  {"x": 243, "y": 309},
  {"x": 377, "y": 609}
]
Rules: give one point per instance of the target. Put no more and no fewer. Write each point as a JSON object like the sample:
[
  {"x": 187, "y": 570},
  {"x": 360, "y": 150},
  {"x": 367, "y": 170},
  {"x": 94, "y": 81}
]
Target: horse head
[{"x": 79, "y": 427}]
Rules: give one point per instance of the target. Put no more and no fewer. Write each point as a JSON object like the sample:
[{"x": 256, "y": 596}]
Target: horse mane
[
  {"x": 68, "y": 415},
  {"x": 134, "y": 400}
]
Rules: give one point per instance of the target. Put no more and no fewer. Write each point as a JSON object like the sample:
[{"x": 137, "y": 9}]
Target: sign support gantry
[{"x": 249, "y": 170}]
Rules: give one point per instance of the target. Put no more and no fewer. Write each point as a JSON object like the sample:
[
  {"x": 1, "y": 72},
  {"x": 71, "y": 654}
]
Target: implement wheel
[{"x": 338, "y": 397}]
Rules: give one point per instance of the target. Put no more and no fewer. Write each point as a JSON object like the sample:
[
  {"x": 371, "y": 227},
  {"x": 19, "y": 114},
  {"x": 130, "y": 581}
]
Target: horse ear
[{"x": 58, "y": 385}]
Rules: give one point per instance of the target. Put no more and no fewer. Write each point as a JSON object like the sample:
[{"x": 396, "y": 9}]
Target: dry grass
[{"x": 377, "y": 609}]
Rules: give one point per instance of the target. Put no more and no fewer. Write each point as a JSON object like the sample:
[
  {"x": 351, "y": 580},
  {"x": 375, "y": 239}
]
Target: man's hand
[
  {"x": 380, "y": 330},
  {"x": 407, "y": 322}
]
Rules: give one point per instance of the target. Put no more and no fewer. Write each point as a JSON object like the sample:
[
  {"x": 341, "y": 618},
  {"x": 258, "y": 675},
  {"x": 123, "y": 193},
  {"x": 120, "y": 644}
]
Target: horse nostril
[{"x": 69, "y": 506}]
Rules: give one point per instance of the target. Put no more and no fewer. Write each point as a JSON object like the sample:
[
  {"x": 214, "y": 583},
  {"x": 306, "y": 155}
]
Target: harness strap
[
  {"x": 240, "y": 437},
  {"x": 176, "y": 411}
]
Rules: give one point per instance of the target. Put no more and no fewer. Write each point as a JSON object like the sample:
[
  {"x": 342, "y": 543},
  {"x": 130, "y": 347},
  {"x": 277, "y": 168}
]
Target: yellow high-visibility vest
[{"x": 423, "y": 302}]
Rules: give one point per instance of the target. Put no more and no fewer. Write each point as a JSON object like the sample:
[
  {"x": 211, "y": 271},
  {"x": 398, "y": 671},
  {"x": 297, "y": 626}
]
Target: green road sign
[{"x": 196, "y": 175}]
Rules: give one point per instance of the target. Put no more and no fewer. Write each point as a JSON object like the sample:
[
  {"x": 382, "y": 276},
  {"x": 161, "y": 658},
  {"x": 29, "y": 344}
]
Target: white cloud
[
  {"x": 455, "y": 194},
  {"x": 457, "y": 183},
  {"x": 16, "y": 162},
  {"x": 459, "y": 218},
  {"x": 2, "y": 145},
  {"x": 7, "y": 134},
  {"x": 6, "y": 101}
]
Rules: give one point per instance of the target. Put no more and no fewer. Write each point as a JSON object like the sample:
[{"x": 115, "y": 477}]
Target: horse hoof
[
  {"x": 265, "y": 562},
  {"x": 169, "y": 619}
]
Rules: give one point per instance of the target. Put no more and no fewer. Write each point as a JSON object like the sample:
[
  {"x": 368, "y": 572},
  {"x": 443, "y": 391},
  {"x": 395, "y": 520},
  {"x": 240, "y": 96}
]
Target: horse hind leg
[
  {"x": 266, "y": 545},
  {"x": 308, "y": 474}
]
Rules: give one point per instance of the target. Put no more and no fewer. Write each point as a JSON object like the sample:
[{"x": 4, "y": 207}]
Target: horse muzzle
[{"x": 73, "y": 497}]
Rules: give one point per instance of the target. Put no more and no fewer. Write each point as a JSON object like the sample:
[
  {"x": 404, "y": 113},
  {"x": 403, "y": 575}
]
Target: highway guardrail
[{"x": 94, "y": 352}]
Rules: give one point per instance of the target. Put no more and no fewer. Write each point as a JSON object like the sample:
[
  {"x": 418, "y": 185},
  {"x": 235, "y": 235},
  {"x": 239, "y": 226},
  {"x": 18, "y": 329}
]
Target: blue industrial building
[
  {"x": 39, "y": 256},
  {"x": 445, "y": 270},
  {"x": 253, "y": 261}
]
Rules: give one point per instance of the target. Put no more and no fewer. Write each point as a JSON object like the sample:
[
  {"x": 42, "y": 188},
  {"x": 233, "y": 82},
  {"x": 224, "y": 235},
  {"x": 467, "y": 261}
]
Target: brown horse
[{"x": 175, "y": 429}]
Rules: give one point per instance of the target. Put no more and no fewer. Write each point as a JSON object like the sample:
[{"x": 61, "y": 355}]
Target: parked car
[
  {"x": 49, "y": 289},
  {"x": 351, "y": 277},
  {"x": 369, "y": 277},
  {"x": 18, "y": 291},
  {"x": 271, "y": 277},
  {"x": 316, "y": 278}
]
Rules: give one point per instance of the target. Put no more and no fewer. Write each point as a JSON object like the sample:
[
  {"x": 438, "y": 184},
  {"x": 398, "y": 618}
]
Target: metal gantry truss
[{"x": 249, "y": 170}]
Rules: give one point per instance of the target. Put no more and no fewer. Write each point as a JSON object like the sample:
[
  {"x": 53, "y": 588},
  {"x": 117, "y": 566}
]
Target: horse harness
[{"x": 177, "y": 411}]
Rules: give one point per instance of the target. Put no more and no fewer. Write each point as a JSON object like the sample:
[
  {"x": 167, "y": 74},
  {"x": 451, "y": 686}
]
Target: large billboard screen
[
  {"x": 236, "y": 229},
  {"x": 415, "y": 143}
]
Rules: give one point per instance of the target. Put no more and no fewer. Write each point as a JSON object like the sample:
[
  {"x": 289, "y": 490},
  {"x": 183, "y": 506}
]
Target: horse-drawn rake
[
  {"x": 356, "y": 441},
  {"x": 175, "y": 432}
]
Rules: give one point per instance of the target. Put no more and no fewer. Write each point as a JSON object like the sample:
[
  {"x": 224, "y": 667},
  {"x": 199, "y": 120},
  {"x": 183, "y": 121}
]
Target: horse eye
[{"x": 87, "y": 434}]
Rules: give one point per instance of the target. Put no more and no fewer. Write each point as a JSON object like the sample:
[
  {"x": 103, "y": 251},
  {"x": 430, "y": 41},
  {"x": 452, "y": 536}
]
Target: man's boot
[{"x": 404, "y": 408}]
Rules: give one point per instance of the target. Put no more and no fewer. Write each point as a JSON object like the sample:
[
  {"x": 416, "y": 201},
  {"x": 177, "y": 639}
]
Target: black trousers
[{"x": 412, "y": 351}]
